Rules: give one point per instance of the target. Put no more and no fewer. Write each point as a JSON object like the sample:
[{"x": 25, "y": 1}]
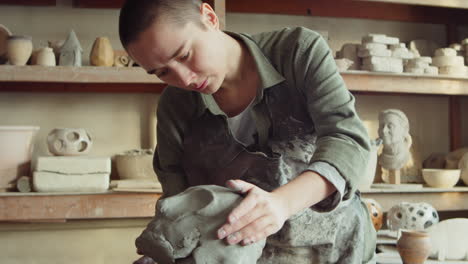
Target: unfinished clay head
[
  {"x": 185, "y": 225},
  {"x": 394, "y": 132}
]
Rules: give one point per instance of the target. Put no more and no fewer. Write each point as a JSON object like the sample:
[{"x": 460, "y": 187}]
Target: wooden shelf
[
  {"x": 78, "y": 79},
  {"x": 28, "y": 2},
  {"x": 453, "y": 199},
  {"x": 361, "y": 81},
  {"x": 135, "y": 80},
  {"x": 61, "y": 207}
]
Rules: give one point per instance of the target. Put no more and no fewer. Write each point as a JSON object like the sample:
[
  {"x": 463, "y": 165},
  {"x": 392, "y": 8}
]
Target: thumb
[{"x": 239, "y": 186}]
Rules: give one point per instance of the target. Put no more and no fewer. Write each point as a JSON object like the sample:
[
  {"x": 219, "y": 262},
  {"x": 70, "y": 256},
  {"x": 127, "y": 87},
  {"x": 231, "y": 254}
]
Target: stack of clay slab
[
  {"x": 72, "y": 174},
  {"x": 381, "y": 53},
  {"x": 449, "y": 63},
  {"x": 421, "y": 65},
  {"x": 347, "y": 58}
]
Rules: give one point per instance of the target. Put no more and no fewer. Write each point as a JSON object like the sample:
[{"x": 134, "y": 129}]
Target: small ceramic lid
[{"x": 4, "y": 35}]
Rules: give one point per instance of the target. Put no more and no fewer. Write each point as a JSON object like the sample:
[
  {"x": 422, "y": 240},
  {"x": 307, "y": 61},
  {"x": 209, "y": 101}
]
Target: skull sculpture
[
  {"x": 413, "y": 216},
  {"x": 69, "y": 142},
  {"x": 185, "y": 225},
  {"x": 375, "y": 212}
]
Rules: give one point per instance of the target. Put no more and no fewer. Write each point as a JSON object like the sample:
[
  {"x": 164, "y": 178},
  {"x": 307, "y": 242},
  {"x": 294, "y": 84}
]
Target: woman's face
[
  {"x": 390, "y": 129},
  {"x": 190, "y": 57}
]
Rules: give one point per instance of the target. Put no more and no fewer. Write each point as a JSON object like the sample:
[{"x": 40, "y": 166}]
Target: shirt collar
[{"x": 269, "y": 76}]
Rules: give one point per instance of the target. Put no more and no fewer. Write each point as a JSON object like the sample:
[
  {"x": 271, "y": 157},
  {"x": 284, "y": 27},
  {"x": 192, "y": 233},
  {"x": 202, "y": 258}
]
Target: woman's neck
[{"x": 240, "y": 84}]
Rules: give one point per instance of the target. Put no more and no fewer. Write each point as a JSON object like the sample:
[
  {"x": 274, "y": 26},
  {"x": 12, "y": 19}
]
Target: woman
[{"x": 270, "y": 116}]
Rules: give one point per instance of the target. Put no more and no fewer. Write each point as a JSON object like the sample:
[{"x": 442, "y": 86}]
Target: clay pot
[
  {"x": 102, "y": 53},
  {"x": 45, "y": 57},
  {"x": 135, "y": 164},
  {"x": 414, "y": 246},
  {"x": 4, "y": 35},
  {"x": 69, "y": 142},
  {"x": 19, "y": 49}
]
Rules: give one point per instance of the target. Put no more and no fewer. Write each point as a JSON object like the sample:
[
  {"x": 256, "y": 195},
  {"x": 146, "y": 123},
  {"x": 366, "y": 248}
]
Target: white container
[
  {"x": 19, "y": 49},
  {"x": 441, "y": 178},
  {"x": 17, "y": 144},
  {"x": 45, "y": 57}
]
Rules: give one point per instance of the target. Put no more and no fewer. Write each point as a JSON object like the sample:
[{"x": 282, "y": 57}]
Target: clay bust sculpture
[
  {"x": 185, "y": 225},
  {"x": 394, "y": 132}
]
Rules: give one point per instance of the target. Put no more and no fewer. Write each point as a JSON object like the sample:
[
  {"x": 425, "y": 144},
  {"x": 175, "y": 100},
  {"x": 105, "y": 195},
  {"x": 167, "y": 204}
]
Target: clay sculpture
[{"x": 184, "y": 229}]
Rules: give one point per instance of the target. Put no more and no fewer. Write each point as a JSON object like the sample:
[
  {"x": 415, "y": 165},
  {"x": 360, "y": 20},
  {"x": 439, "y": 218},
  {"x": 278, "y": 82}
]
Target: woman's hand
[{"x": 259, "y": 215}]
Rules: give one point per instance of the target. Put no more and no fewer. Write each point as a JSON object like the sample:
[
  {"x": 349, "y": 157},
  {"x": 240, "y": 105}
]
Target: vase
[
  {"x": 102, "y": 53},
  {"x": 45, "y": 57},
  {"x": 69, "y": 142},
  {"x": 19, "y": 49},
  {"x": 414, "y": 246}
]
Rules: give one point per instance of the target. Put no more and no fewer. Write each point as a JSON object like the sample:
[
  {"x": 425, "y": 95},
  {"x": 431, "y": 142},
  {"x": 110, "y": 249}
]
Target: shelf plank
[
  {"x": 28, "y": 2},
  {"x": 56, "y": 207},
  {"x": 352, "y": 9},
  {"x": 451, "y": 4},
  {"x": 361, "y": 81},
  {"x": 86, "y": 74}
]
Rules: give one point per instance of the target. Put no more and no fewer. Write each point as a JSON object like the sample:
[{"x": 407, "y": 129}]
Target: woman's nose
[{"x": 186, "y": 76}]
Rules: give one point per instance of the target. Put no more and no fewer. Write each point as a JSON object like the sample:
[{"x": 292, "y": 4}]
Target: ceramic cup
[{"x": 19, "y": 49}]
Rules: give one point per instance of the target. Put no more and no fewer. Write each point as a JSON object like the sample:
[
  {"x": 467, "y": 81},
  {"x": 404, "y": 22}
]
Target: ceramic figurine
[
  {"x": 394, "y": 132},
  {"x": 45, "y": 57},
  {"x": 69, "y": 142},
  {"x": 71, "y": 51},
  {"x": 19, "y": 49},
  {"x": 102, "y": 53},
  {"x": 4, "y": 35},
  {"x": 414, "y": 246},
  {"x": 414, "y": 216},
  {"x": 184, "y": 229}
]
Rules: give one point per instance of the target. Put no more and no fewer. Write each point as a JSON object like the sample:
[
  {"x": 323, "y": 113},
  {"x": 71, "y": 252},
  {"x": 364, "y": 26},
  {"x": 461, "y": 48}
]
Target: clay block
[
  {"x": 414, "y": 70},
  {"x": 417, "y": 64},
  {"x": 432, "y": 70},
  {"x": 380, "y": 38},
  {"x": 74, "y": 165},
  {"x": 465, "y": 41},
  {"x": 397, "y": 46},
  {"x": 55, "y": 182},
  {"x": 382, "y": 60},
  {"x": 349, "y": 51},
  {"x": 453, "y": 70},
  {"x": 423, "y": 59},
  {"x": 393, "y": 65},
  {"x": 456, "y": 46},
  {"x": 373, "y": 46},
  {"x": 343, "y": 64},
  {"x": 448, "y": 61},
  {"x": 380, "y": 53},
  {"x": 402, "y": 53},
  {"x": 449, "y": 52}
]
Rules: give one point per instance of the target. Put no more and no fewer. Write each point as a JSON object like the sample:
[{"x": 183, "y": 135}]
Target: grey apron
[{"x": 213, "y": 156}]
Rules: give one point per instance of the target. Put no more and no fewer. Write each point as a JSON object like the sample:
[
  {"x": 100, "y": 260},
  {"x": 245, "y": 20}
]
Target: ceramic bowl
[{"x": 441, "y": 178}]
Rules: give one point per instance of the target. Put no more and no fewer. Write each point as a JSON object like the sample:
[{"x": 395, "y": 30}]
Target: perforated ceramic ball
[
  {"x": 69, "y": 141},
  {"x": 412, "y": 216},
  {"x": 375, "y": 212}
]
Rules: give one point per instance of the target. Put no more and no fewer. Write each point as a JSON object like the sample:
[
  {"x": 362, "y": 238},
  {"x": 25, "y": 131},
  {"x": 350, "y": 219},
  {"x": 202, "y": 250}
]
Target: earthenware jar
[
  {"x": 102, "y": 53},
  {"x": 45, "y": 57},
  {"x": 4, "y": 35},
  {"x": 19, "y": 49},
  {"x": 69, "y": 141},
  {"x": 414, "y": 246}
]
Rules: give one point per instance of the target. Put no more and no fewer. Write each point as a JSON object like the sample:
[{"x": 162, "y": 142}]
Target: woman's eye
[
  {"x": 161, "y": 73},
  {"x": 185, "y": 57}
]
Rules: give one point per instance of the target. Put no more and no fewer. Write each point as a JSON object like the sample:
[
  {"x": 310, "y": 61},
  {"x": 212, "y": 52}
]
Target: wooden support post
[
  {"x": 394, "y": 176},
  {"x": 455, "y": 123}
]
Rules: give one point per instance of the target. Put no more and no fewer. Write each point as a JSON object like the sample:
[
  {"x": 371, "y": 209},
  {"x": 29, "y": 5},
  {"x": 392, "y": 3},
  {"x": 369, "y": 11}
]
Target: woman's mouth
[{"x": 202, "y": 85}]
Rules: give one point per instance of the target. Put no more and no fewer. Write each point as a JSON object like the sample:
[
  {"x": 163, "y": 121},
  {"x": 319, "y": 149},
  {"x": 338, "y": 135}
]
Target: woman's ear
[{"x": 208, "y": 16}]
